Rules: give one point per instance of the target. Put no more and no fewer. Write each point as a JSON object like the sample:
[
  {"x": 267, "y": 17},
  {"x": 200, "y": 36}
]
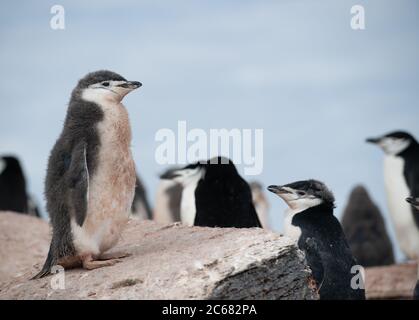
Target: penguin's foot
[
  {"x": 90, "y": 264},
  {"x": 113, "y": 255}
]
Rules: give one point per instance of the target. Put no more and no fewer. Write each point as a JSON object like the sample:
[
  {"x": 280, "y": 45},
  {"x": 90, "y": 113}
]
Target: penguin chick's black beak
[
  {"x": 278, "y": 190},
  {"x": 373, "y": 140},
  {"x": 130, "y": 85},
  {"x": 413, "y": 201}
]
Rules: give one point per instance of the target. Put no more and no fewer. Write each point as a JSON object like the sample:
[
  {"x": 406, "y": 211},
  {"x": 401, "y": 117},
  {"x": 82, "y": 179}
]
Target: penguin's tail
[{"x": 46, "y": 269}]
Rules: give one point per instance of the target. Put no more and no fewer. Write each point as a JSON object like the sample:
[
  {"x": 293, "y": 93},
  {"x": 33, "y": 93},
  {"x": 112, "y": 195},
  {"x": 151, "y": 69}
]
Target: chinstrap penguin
[
  {"x": 90, "y": 182},
  {"x": 311, "y": 223},
  {"x": 401, "y": 175},
  {"x": 215, "y": 195},
  {"x": 13, "y": 193},
  {"x": 365, "y": 230}
]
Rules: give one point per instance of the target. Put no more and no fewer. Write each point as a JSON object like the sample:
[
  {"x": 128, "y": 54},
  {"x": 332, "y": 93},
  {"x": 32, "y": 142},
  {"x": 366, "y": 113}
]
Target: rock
[
  {"x": 23, "y": 241},
  {"x": 391, "y": 282},
  {"x": 166, "y": 262}
]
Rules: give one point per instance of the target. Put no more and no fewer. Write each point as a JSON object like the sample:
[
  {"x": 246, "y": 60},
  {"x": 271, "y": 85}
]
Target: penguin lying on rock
[
  {"x": 214, "y": 195},
  {"x": 311, "y": 223},
  {"x": 90, "y": 179}
]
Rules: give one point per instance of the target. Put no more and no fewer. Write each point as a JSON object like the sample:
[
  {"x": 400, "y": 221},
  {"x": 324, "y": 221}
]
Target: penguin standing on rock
[
  {"x": 90, "y": 180},
  {"x": 365, "y": 230},
  {"x": 214, "y": 195},
  {"x": 401, "y": 175},
  {"x": 311, "y": 223}
]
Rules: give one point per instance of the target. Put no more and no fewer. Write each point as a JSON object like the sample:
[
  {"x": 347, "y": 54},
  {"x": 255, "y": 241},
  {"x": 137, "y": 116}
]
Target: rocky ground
[{"x": 166, "y": 262}]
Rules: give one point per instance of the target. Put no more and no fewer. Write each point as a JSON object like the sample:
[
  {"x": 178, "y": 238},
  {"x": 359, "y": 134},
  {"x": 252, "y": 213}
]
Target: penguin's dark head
[
  {"x": 414, "y": 202},
  {"x": 104, "y": 86},
  {"x": 394, "y": 143},
  {"x": 220, "y": 167},
  {"x": 302, "y": 195}
]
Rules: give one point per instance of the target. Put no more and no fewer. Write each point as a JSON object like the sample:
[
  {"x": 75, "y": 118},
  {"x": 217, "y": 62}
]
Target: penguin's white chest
[
  {"x": 111, "y": 186},
  {"x": 290, "y": 230},
  {"x": 187, "y": 205},
  {"x": 401, "y": 212}
]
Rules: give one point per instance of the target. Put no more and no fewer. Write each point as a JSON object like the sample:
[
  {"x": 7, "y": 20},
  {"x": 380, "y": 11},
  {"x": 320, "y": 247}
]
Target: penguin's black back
[
  {"x": 365, "y": 230},
  {"x": 13, "y": 195},
  {"x": 224, "y": 199},
  {"x": 327, "y": 253}
]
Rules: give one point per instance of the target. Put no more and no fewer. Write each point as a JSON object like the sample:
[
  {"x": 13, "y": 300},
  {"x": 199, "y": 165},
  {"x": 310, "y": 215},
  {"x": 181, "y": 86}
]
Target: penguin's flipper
[
  {"x": 314, "y": 260},
  {"x": 78, "y": 174}
]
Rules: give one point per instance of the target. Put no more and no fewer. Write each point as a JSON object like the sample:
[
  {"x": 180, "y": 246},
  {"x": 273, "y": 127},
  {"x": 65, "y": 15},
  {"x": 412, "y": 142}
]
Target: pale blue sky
[{"x": 293, "y": 68}]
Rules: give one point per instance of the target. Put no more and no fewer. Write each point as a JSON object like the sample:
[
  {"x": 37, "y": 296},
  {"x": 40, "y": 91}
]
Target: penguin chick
[
  {"x": 311, "y": 223},
  {"x": 90, "y": 182},
  {"x": 365, "y": 230},
  {"x": 215, "y": 195}
]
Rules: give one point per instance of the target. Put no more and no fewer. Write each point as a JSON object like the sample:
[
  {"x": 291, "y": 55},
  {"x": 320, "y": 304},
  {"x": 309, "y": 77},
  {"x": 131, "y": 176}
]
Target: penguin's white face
[
  {"x": 297, "y": 200},
  {"x": 109, "y": 91},
  {"x": 393, "y": 146},
  {"x": 301, "y": 195}
]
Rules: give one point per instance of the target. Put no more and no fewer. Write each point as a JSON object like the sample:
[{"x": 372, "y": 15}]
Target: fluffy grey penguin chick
[
  {"x": 365, "y": 230},
  {"x": 90, "y": 180}
]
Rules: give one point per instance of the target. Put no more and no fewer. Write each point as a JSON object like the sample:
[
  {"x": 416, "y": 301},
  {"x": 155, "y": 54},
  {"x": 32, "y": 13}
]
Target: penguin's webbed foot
[
  {"x": 114, "y": 255},
  {"x": 90, "y": 264}
]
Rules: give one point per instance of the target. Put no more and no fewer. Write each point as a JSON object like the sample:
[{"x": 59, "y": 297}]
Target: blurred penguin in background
[
  {"x": 140, "y": 208},
  {"x": 13, "y": 195},
  {"x": 261, "y": 203},
  {"x": 214, "y": 195},
  {"x": 168, "y": 198},
  {"x": 401, "y": 177},
  {"x": 365, "y": 230}
]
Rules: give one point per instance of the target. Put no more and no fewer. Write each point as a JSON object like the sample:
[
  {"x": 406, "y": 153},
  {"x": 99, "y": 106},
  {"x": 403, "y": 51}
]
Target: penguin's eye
[
  {"x": 301, "y": 193},
  {"x": 105, "y": 84}
]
